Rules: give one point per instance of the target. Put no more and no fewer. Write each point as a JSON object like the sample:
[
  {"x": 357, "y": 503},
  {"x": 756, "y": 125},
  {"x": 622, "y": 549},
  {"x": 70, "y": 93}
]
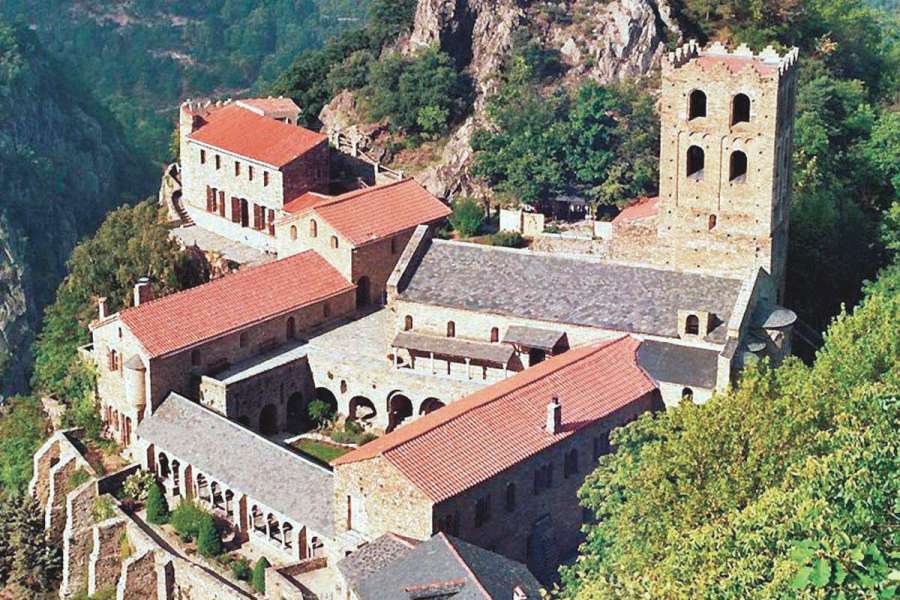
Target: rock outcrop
[{"x": 601, "y": 41}]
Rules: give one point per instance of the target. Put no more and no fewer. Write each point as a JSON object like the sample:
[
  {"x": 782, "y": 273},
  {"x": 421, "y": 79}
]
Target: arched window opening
[
  {"x": 451, "y": 329},
  {"x": 712, "y": 222},
  {"x": 313, "y": 228},
  {"x": 495, "y": 334},
  {"x": 687, "y": 394},
  {"x": 695, "y": 163},
  {"x": 692, "y": 325},
  {"x": 407, "y": 323},
  {"x": 510, "y": 497},
  {"x": 293, "y": 232},
  {"x": 737, "y": 167},
  {"x": 697, "y": 104},
  {"x": 243, "y": 340},
  {"x": 740, "y": 109},
  {"x": 334, "y": 241}
]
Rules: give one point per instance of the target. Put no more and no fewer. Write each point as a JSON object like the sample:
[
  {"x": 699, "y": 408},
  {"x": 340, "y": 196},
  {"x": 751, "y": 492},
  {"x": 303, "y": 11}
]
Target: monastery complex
[{"x": 490, "y": 377}]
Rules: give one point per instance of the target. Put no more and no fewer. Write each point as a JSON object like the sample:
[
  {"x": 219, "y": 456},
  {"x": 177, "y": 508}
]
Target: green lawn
[{"x": 322, "y": 450}]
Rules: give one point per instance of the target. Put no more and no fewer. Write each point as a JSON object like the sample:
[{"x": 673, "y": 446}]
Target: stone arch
[
  {"x": 286, "y": 530},
  {"x": 327, "y": 396},
  {"x": 363, "y": 291},
  {"x": 268, "y": 420},
  {"x": 362, "y": 409},
  {"x": 202, "y": 487},
  {"x": 399, "y": 409},
  {"x": 316, "y": 547},
  {"x": 687, "y": 394},
  {"x": 257, "y": 519},
  {"x": 696, "y": 161},
  {"x": 740, "y": 109},
  {"x": 216, "y": 497},
  {"x": 162, "y": 466},
  {"x": 176, "y": 474},
  {"x": 737, "y": 167},
  {"x": 430, "y": 405},
  {"x": 696, "y": 104}
]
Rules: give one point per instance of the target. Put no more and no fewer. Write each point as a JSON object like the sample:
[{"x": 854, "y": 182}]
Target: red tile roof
[
  {"x": 305, "y": 201},
  {"x": 735, "y": 64},
  {"x": 245, "y": 133},
  {"x": 374, "y": 213},
  {"x": 639, "y": 209},
  {"x": 473, "y": 439},
  {"x": 248, "y": 296}
]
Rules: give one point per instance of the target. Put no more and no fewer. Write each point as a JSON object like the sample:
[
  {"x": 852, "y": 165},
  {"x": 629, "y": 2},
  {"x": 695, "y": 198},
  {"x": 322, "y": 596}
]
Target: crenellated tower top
[{"x": 767, "y": 63}]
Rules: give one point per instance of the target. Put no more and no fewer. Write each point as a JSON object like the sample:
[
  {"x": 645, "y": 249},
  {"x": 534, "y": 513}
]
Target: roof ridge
[
  {"x": 527, "y": 377},
  {"x": 447, "y": 540},
  {"x": 346, "y": 196}
]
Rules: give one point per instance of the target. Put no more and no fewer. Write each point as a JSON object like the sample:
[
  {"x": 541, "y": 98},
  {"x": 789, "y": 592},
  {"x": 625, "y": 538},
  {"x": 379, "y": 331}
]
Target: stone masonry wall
[
  {"x": 104, "y": 566},
  {"x": 138, "y": 579},
  {"x": 340, "y": 257},
  {"x": 78, "y": 538}
]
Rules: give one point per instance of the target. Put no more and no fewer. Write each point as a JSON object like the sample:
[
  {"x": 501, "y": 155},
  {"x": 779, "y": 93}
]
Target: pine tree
[
  {"x": 157, "y": 505},
  {"x": 34, "y": 563},
  {"x": 208, "y": 541},
  {"x": 258, "y": 579}
]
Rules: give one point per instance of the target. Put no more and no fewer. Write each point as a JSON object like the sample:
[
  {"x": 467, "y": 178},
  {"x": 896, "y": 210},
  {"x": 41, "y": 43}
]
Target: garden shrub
[
  {"x": 467, "y": 217},
  {"x": 157, "y": 505}
]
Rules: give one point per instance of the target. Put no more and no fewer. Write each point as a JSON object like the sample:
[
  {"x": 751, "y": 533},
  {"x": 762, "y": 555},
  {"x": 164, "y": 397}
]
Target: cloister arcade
[{"x": 248, "y": 520}]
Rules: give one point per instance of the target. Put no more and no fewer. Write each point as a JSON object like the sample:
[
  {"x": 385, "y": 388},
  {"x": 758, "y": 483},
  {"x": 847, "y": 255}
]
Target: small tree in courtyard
[
  {"x": 157, "y": 505},
  {"x": 208, "y": 541},
  {"x": 258, "y": 579},
  {"x": 467, "y": 217},
  {"x": 320, "y": 412}
]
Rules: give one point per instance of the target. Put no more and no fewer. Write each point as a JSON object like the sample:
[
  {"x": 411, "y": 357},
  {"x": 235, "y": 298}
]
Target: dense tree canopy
[{"x": 785, "y": 485}]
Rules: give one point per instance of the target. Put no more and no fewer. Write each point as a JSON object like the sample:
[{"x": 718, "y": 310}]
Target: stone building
[
  {"x": 242, "y": 162},
  {"x": 727, "y": 121},
  {"x": 181, "y": 341},
  {"x": 500, "y": 468}
]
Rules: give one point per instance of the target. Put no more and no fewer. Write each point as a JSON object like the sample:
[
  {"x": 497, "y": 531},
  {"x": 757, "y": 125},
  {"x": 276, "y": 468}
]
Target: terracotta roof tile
[
  {"x": 305, "y": 201},
  {"x": 245, "y": 133},
  {"x": 374, "y": 213},
  {"x": 473, "y": 439},
  {"x": 249, "y": 296},
  {"x": 639, "y": 209}
]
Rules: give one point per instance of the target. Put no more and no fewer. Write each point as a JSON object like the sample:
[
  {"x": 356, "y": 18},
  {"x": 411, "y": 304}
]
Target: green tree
[
  {"x": 22, "y": 429},
  {"x": 390, "y": 18},
  {"x": 29, "y": 564},
  {"x": 258, "y": 578},
  {"x": 467, "y": 216},
  {"x": 209, "y": 543},
  {"x": 321, "y": 412},
  {"x": 797, "y": 494},
  {"x": 157, "y": 505}
]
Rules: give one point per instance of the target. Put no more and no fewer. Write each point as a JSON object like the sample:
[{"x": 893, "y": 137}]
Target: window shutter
[
  {"x": 221, "y": 203},
  {"x": 271, "y": 222},
  {"x": 209, "y": 199},
  {"x": 235, "y": 209}
]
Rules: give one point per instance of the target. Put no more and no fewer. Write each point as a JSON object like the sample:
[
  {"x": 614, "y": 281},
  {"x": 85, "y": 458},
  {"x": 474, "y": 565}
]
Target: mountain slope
[{"x": 63, "y": 165}]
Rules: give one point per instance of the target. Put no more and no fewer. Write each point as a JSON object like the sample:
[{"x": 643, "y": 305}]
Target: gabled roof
[
  {"x": 441, "y": 567},
  {"x": 674, "y": 363},
  {"x": 499, "y": 354},
  {"x": 469, "y": 441},
  {"x": 639, "y": 209},
  {"x": 242, "y": 460},
  {"x": 374, "y": 213},
  {"x": 243, "y": 132},
  {"x": 249, "y": 296}
]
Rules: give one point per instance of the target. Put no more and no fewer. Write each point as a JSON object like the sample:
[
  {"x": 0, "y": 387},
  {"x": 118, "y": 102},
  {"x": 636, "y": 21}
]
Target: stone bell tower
[{"x": 725, "y": 159}]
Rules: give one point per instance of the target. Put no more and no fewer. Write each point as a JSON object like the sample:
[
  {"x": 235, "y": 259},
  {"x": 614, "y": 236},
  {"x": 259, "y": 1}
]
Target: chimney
[
  {"x": 554, "y": 416},
  {"x": 519, "y": 593},
  {"x": 143, "y": 292},
  {"x": 103, "y": 307}
]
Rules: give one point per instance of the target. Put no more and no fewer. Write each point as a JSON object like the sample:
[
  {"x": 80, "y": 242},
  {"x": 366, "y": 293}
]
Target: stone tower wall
[{"x": 713, "y": 222}]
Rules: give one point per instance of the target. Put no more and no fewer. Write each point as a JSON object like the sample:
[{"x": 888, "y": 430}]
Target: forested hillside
[
  {"x": 63, "y": 164},
  {"x": 141, "y": 57}
]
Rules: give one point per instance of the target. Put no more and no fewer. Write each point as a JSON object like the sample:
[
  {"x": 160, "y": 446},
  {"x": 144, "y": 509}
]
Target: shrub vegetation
[
  {"x": 157, "y": 505},
  {"x": 258, "y": 578},
  {"x": 467, "y": 217}
]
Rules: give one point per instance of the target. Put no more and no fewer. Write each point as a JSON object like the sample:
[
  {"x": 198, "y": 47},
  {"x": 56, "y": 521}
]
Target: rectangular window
[
  {"x": 271, "y": 221},
  {"x": 237, "y": 169},
  {"x": 218, "y": 162},
  {"x": 202, "y": 156},
  {"x": 258, "y": 214},
  {"x": 265, "y": 178},
  {"x": 250, "y": 172},
  {"x": 215, "y": 200},
  {"x": 235, "y": 209},
  {"x": 483, "y": 510},
  {"x": 221, "y": 203},
  {"x": 209, "y": 199}
]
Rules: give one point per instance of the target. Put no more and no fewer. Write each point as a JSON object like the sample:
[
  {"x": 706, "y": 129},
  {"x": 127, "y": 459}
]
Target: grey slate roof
[
  {"x": 685, "y": 365},
  {"x": 566, "y": 289},
  {"x": 495, "y": 353},
  {"x": 533, "y": 337},
  {"x": 243, "y": 460},
  {"x": 374, "y": 556},
  {"x": 448, "y": 563}
]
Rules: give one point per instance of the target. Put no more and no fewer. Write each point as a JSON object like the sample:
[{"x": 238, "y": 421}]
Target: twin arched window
[{"x": 740, "y": 107}]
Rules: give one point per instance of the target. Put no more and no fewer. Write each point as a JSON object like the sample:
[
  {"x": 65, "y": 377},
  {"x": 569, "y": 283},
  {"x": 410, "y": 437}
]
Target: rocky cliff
[
  {"x": 605, "y": 42},
  {"x": 63, "y": 164}
]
